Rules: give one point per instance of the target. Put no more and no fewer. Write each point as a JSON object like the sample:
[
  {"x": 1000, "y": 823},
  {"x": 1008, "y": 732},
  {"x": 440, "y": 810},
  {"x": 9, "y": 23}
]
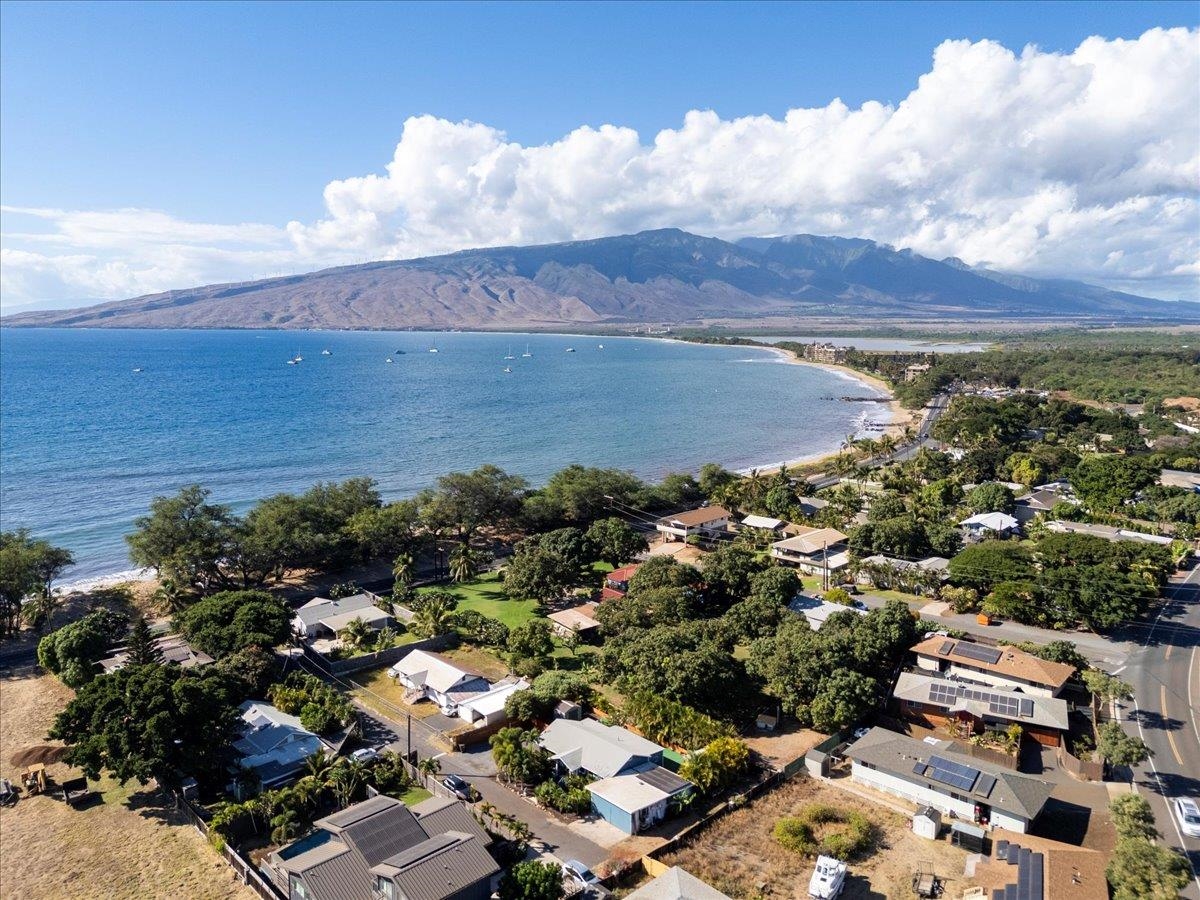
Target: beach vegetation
[
  {"x": 226, "y": 622},
  {"x": 28, "y": 569},
  {"x": 71, "y": 652}
]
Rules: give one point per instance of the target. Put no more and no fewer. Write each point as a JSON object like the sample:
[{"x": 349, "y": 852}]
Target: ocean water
[{"x": 86, "y": 442}]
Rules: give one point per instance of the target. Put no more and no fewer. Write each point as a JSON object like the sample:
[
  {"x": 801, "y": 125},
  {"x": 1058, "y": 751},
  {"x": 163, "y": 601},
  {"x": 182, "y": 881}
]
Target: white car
[
  {"x": 365, "y": 755},
  {"x": 1187, "y": 811}
]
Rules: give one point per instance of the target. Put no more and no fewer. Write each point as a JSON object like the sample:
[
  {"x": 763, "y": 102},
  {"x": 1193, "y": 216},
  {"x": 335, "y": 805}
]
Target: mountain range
[{"x": 665, "y": 275}]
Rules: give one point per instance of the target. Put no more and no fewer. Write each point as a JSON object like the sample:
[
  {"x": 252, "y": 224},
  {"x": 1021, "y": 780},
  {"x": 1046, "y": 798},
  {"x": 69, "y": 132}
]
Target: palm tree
[
  {"x": 433, "y": 618},
  {"x": 170, "y": 594},
  {"x": 464, "y": 563},
  {"x": 355, "y": 634},
  {"x": 318, "y": 766},
  {"x": 345, "y": 779},
  {"x": 284, "y": 827},
  {"x": 307, "y": 792},
  {"x": 404, "y": 567},
  {"x": 427, "y": 767}
]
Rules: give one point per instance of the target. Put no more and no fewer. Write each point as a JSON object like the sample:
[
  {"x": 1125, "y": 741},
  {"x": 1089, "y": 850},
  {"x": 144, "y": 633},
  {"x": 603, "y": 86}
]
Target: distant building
[
  {"x": 321, "y": 617},
  {"x": 1040, "y": 502},
  {"x": 600, "y": 750},
  {"x": 995, "y": 522},
  {"x": 817, "y": 612},
  {"x": 1002, "y": 667},
  {"x": 763, "y": 523},
  {"x": 706, "y": 521},
  {"x": 174, "y": 649},
  {"x": 825, "y": 353},
  {"x": 616, "y": 582},
  {"x": 580, "y": 620},
  {"x": 1107, "y": 532},
  {"x": 885, "y": 571},
  {"x": 638, "y": 800},
  {"x": 935, "y": 774},
  {"x": 915, "y": 371},
  {"x": 488, "y": 708}
]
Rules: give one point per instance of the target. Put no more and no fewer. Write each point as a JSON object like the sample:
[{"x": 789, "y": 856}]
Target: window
[
  {"x": 297, "y": 889},
  {"x": 384, "y": 888}
]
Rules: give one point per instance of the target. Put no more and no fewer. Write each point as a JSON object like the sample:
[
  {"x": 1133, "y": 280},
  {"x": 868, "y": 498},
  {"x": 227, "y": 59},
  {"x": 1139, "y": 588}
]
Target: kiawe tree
[
  {"x": 233, "y": 620},
  {"x": 614, "y": 541}
]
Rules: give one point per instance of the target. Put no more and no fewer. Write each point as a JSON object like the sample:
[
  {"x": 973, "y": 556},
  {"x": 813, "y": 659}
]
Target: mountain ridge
[{"x": 663, "y": 275}]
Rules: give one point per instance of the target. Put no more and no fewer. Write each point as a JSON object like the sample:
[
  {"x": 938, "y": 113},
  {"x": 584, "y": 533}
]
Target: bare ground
[
  {"x": 129, "y": 845},
  {"x": 739, "y": 855}
]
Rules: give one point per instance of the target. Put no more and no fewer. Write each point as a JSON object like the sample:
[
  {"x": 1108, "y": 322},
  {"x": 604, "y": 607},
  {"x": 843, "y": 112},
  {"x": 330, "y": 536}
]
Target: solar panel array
[
  {"x": 978, "y": 652},
  {"x": 952, "y": 774},
  {"x": 1008, "y": 705}
]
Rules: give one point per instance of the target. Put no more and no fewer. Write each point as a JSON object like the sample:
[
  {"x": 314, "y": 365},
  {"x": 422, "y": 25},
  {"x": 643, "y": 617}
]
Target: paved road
[{"x": 1165, "y": 673}]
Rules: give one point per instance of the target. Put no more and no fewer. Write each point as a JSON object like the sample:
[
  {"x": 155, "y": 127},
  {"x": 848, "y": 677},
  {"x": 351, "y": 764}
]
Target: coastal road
[{"x": 1165, "y": 673}]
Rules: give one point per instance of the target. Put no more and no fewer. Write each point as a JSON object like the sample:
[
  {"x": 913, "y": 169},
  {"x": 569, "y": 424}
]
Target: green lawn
[
  {"x": 415, "y": 795},
  {"x": 486, "y": 595}
]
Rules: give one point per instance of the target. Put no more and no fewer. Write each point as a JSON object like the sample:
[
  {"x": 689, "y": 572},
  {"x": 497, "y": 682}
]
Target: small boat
[
  {"x": 433, "y": 349},
  {"x": 398, "y": 353},
  {"x": 327, "y": 353},
  {"x": 510, "y": 355},
  {"x": 828, "y": 878},
  {"x": 570, "y": 349},
  {"x": 292, "y": 362},
  {"x": 389, "y": 359},
  {"x": 526, "y": 354},
  {"x": 601, "y": 347},
  {"x": 138, "y": 369},
  {"x": 508, "y": 369}
]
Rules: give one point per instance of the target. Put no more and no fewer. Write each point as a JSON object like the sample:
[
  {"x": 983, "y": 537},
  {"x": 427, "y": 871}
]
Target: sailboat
[
  {"x": 510, "y": 355},
  {"x": 526, "y": 354},
  {"x": 508, "y": 370},
  {"x": 138, "y": 369},
  {"x": 570, "y": 349},
  {"x": 601, "y": 347},
  {"x": 327, "y": 353},
  {"x": 389, "y": 359},
  {"x": 433, "y": 349}
]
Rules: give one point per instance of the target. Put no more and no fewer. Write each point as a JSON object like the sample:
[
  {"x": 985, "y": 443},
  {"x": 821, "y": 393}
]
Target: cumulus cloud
[{"x": 1083, "y": 164}]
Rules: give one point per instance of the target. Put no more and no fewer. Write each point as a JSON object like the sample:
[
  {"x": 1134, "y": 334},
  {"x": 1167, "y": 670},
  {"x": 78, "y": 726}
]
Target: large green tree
[
  {"x": 614, "y": 541},
  {"x": 464, "y": 502},
  {"x": 532, "y": 880},
  {"x": 28, "y": 569},
  {"x": 229, "y": 621},
  {"x": 72, "y": 651},
  {"x": 185, "y": 538}
]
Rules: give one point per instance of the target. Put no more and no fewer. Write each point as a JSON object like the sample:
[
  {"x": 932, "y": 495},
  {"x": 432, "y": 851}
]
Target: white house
[
  {"x": 1003, "y": 667},
  {"x": 707, "y": 520},
  {"x": 600, "y": 750},
  {"x": 431, "y": 676},
  {"x": 1107, "y": 532},
  {"x": 813, "y": 550},
  {"x": 817, "y": 612},
  {"x": 764, "y": 523},
  {"x": 488, "y": 709},
  {"x": 273, "y": 744},
  {"x": 934, "y": 774},
  {"x": 995, "y": 522},
  {"x": 322, "y": 617}
]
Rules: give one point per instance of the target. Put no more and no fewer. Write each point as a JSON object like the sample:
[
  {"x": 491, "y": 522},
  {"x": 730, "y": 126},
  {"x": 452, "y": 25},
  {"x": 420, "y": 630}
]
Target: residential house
[
  {"x": 320, "y": 617},
  {"x": 997, "y": 523},
  {"x": 380, "y": 849},
  {"x": 1107, "y": 532},
  {"x": 1035, "y": 868},
  {"x": 763, "y": 523},
  {"x": 676, "y": 884},
  {"x": 1003, "y": 667},
  {"x": 810, "y": 506},
  {"x": 173, "y": 647},
  {"x": 580, "y": 620},
  {"x": 917, "y": 577},
  {"x": 273, "y": 745},
  {"x": 601, "y": 751},
  {"x": 616, "y": 582},
  {"x": 706, "y": 521},
  {"x": 488, "y": 709},
  {"x": 817, "y": 611},
  {"x": 1039, "y": 502},
  {"x": 817, "y": 551},
  {"x": 1177, "y": 478},
  {"x": 967, "y": 709},
  {"x": 431, "y": 676},
  {"x": 935, "y": 774},
  {"x": 638, "y": 800}
]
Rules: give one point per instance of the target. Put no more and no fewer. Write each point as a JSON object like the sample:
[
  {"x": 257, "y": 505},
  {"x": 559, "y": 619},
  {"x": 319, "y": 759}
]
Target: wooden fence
[
  {"x": 247, "y": 873},
  {"x": 1084, "y": 770}
]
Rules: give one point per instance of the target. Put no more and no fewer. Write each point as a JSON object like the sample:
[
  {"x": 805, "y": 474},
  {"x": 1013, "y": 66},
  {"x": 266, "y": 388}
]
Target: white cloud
[{"x": 1084, "y": 165}]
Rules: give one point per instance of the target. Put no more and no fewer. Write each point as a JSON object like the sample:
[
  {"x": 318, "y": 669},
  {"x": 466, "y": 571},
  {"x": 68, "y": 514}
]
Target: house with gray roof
[
  {"x": 381, "y": 849},
  {"x": 602, "y": 751},
  {"x": 432, "y": 676},
  {"x": 676, "y": 884},
  {"x": 639, "y": 800},
  {"x": 934, "y": 773},
  {"x": 321, "y": 617},
  {"x": 967, "y": 709},
  {"x": 273, "y": 745}
]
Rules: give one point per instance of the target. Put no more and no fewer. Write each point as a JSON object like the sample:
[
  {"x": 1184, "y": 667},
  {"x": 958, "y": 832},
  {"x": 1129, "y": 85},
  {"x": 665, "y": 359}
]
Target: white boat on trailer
[{"x": 828, "y": 879}]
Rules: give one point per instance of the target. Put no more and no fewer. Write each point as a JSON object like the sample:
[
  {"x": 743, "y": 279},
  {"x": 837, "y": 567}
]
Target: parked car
[
  {"x": 1187, "y": 811},
  {"x": 579, "y": 873},
  {"x": 458, "y": 787},
  {"x": 365, "y": 755},
  {"x": 860, "y": 733}
]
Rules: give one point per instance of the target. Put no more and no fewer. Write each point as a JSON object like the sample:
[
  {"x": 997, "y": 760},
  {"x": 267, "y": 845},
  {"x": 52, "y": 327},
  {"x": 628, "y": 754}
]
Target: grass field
[
  {"x": 130, "y": 844},
  {"x": 415, "y": 795},
  {"x": 486, "y": 595},
  {"x": 385, "y": 695}
]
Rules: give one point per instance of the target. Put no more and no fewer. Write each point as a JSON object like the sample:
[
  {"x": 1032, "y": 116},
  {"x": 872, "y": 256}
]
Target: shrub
[
  {"x": 570, "y": 797},
  {"x": 816, "y": 831}
]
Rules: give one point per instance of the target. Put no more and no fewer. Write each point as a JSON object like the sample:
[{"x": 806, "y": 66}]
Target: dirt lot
[
  {"x": 739, "y": 855},
  {"x": 128, "y": 845}
]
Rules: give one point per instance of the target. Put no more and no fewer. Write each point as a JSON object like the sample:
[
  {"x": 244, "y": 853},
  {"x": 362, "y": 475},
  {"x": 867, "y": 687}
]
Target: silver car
[{"x": 1187, "y": 811}]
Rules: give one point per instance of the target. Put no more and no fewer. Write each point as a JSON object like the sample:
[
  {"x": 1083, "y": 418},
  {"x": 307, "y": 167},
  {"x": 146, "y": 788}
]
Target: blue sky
[{"x": 243, "y": 113}]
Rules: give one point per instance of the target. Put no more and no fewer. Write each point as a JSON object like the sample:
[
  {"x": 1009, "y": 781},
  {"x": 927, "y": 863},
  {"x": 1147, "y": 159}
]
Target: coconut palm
[
  {"x": 170, "y": 594},
  {"x": 433, "y": 617},
  {"x": 319, "y": 766},
  {"x": 355, "y": 634},
  {"x": 404, "y": 567},
  {"x": 464, "y": 563},
  {"x": 427, "y": 767},
  {"x": 284, "y": 827}
]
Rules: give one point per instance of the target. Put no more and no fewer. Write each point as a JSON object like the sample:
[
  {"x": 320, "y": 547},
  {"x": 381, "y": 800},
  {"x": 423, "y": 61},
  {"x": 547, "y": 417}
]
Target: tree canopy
[{"x": 229, "y": 621}]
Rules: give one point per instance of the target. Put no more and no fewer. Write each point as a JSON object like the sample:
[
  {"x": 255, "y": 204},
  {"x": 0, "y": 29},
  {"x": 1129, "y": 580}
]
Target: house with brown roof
[
  {"x": 1037, "y": 868},
  {"x": 616, "y": 582},
  {"x": 580, "y": 620},
  {"x": 381, "y": 849},
  {"x": 1003, "y": 666},
  {"x": 703, "y": 522}
]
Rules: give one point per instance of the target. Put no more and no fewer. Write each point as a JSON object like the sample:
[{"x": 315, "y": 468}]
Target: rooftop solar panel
[
  {"x": 1026, "y": 708},
  {"x": 977, "y": 652},
  {"x": 945, "y": 649},
  {"x": 984, "y": 786}
]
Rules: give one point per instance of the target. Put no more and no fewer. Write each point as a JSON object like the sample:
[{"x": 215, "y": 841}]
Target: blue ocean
[{"x": 94, "y": 423}]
